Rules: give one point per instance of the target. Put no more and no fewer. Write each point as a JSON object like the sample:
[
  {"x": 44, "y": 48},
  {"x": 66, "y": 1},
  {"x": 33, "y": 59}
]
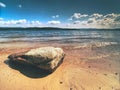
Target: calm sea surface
[{"x": 61, "y": 36}]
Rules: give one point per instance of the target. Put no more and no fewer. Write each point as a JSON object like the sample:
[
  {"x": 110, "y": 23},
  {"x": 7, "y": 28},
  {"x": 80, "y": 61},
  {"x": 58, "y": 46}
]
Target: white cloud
[
  {"x": 20, "y": 6},
  {"x": 19, "y": 23},
  {"x": 108, "y": 20},
  {"x": 54, "y": 22},
  {"x": 36, "y": 22},
  {"x": 13, "y": 23},
  {"x": 56, "y": 16},
  {"x": 96, "y": 20},
  {"x": 112, "y": 15},
  {"x": 53, "y": 17},
  {"x": 76, "y": 22},
  {"x": 78, "y": 16},
  {"x": 2, "y": 5},
  {"x": 1, "y": 19},
  {"x": 96, "y": 15}
]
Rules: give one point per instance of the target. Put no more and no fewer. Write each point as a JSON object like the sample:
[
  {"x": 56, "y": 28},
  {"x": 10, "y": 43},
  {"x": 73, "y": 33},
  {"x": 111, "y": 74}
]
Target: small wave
[
  {"x": 100, "y": 44},
  {"x": 95, "y": 44},
  {"x": 105, "y": 55}
]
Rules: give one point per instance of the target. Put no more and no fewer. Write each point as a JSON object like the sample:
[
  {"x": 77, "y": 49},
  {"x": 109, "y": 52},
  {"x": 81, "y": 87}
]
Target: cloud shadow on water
[{"x": 27, "y": 69}]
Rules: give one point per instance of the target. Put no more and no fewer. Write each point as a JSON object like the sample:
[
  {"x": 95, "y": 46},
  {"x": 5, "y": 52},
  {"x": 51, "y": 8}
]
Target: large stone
[{"x": 47, "y": 58}]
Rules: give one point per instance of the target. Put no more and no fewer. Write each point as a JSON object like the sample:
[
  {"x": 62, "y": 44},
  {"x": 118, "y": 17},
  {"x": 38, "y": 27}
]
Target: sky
[{"x": 60, "y": 13}]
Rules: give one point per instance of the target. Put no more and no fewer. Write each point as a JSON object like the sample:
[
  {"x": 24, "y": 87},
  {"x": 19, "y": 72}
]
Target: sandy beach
[{"x": 82, "y": 69}]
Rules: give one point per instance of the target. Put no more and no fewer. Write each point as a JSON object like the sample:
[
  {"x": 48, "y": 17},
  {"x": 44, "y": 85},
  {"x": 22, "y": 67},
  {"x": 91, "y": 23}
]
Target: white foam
[{"x": 95, "y": 44}]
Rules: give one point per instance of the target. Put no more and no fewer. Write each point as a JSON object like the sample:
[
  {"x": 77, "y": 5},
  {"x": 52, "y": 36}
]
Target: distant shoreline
[{"x": 52, "y": 28}]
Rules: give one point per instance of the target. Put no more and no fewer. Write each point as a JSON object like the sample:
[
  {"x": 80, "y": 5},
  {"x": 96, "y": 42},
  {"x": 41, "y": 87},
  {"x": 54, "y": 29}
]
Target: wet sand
[{"x": 82, "y": 69}]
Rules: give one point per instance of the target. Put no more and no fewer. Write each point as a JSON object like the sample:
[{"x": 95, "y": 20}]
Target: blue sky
[{"x": 60, "y": 13}]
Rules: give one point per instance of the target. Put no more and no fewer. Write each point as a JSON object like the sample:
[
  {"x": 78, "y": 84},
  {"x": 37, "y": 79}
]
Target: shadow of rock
[{"x": 27, "y": 69}]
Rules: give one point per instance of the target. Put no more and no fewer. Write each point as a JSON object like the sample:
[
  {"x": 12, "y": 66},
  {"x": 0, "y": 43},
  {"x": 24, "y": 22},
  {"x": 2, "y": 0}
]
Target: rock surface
[{"x": 47, "y": 58}]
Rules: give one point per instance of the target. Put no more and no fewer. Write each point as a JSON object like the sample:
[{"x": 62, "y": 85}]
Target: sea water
[
  {"x": 61, "y": 36},
  {"x": 83, "y": 37}
]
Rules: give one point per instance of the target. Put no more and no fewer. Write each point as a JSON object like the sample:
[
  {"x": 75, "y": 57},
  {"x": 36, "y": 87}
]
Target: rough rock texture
[{"x": 47, "y": 58}]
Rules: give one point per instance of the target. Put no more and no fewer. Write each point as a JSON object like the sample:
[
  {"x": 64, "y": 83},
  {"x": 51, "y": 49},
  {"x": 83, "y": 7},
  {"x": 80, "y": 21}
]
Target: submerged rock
[{"x": 47, "y": 58}]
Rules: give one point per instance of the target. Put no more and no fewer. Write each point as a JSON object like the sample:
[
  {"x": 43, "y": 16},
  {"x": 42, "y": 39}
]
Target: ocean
[
  {"x": 109, "y": 40},
  {"x": 82, "y": 36}
]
